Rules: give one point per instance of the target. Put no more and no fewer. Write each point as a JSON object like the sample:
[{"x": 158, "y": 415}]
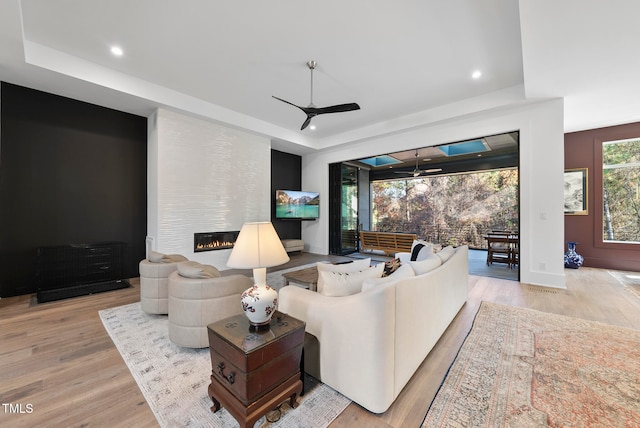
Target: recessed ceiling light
[
  {"x": 312, "y": 127},
  {"x": 117, "y": 50},
  {"x": 476, "y": 74}
]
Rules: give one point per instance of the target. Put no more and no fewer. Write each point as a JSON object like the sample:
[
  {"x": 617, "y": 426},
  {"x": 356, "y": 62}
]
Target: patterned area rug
[
  {"x": 174, "y": 380},
  {"x": 630, "y": 281},
  {"x": 524, "y": 368}
]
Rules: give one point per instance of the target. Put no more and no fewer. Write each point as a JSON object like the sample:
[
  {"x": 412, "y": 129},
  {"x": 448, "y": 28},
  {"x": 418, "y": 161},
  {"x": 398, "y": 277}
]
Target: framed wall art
[{"x": 575, "y": 191}]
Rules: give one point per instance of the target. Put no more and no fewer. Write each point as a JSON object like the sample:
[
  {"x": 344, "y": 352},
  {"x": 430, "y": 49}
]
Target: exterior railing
[{"x": 469, "y": 235}]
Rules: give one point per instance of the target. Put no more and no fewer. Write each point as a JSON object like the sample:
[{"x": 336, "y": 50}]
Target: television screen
[{"x": 296, "y": 204}]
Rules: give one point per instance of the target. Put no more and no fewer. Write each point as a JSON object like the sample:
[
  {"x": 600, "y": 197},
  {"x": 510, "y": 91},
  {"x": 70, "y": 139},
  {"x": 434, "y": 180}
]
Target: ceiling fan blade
[
  {"x": 418, "y": 173},
  {"x": 338, "y": 108},
  {"x": 285, "y": 101},
  {"x": 306, "y": 122}
]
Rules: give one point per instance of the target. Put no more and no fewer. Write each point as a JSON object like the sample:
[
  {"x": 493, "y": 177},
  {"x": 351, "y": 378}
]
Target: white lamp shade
[{"x": 258, "y": 246}]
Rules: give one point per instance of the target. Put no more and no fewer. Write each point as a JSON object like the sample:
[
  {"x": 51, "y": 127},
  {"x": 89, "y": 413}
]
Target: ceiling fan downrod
[{"x": 312, "y": 66}]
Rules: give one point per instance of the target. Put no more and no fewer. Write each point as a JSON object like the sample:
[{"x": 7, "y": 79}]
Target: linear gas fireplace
[{"x": 214, "y": 240}]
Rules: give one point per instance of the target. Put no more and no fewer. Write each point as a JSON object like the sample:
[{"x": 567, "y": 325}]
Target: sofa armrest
[
  {"x": 208, "y": 288},
  {"x": 302, "y": 303},
  {"x": 356, "y": 335}
]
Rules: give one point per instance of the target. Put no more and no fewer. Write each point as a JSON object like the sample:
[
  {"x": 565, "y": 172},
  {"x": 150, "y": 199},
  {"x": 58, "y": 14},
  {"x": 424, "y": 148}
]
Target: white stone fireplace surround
[{"x": 203, "y": 177}]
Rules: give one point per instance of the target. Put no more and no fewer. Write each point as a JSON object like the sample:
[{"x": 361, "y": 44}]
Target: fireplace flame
[
  {"x": 215, "y": 244},
  {"x": 214, "y": 240}
]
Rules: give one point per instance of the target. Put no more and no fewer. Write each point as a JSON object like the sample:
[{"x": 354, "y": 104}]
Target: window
[{"x": 621, "y": 191}]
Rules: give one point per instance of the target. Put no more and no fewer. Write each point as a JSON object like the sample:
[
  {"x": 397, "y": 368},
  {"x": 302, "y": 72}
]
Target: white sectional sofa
[{"x": 372, "y": 342}]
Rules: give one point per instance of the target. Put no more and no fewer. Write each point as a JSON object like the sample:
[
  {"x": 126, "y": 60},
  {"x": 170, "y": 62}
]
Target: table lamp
[{"x": 258, "y": 247}]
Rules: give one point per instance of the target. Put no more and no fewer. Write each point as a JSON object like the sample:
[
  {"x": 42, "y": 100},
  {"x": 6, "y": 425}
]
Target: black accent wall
[
  {"x": 286, "y": 174},
  {"x": 70, "y": 172}
]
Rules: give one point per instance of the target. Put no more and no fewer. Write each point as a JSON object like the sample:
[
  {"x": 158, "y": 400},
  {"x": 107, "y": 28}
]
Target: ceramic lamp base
[{"x": 259, "y": 303}]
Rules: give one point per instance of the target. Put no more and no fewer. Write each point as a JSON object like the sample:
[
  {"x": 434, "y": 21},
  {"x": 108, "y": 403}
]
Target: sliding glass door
[{"x": 343, "y": 209}]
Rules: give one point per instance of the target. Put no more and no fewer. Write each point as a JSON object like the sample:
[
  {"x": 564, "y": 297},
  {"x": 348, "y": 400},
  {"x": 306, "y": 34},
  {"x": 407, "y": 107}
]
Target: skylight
[
  {"x": 380, "y": 160},
  {"x": 464, "y": 148}
]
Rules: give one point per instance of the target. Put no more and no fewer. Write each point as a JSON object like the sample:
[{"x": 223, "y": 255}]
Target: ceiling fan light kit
[{"x": 311, "y": 110}]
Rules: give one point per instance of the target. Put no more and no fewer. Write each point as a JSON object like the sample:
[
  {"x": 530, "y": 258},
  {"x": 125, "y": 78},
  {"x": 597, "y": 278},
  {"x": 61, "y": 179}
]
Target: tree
[
  {"x": 452, "y": 209},
  {"x": 621, "y": 186}
]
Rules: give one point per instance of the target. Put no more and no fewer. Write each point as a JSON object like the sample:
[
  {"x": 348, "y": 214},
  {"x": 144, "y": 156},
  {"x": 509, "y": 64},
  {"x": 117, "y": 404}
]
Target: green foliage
[{"x": 454, "y": 209}]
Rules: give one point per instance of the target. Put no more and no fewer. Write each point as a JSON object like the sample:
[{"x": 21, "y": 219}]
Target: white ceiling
[{"x": 405, "y": 63}]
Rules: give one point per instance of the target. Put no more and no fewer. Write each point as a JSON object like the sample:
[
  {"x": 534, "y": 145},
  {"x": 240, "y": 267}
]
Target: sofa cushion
[
  {"x": 446, "y": 253},
  {"x": 338, "y": 284},
  {"x": 192, "y": 269},
  {"x": 354, "y": 266},
  {"x": 428, "y": 264},
  {"x": 404, "y": 271}
]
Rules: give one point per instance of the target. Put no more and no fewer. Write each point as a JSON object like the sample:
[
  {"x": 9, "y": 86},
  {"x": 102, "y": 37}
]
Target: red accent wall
[{"x": 583, "y": 150}]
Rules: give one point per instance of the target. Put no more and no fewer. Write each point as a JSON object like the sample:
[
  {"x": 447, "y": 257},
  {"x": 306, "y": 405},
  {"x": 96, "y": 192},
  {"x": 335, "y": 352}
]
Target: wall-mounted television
[{"x": 297, "y": 205}]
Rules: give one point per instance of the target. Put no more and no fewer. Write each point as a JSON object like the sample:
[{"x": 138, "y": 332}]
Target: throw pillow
[
  {"x": 390, "y": 267},
  {"x": 404, "y": 271},
  {"x": 355, "y": 266},
  {"x": 446, "y": 253},
  {"x": 426, "y": 265},
  {"x": 196, "y": 270},
  {"x": 171, "y": 258},
  {"x": 337, "y": 284},
  {"x": 156, "y": 257},
  {"x": 420, "y": 249}
]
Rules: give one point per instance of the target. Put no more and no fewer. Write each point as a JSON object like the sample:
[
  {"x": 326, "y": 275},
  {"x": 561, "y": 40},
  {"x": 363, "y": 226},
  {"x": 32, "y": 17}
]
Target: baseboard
[{"x": 81, "y": 290}]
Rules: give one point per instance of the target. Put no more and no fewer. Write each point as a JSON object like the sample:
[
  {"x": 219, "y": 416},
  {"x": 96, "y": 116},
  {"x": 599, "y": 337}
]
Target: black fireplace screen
[{"x": 214, "y": 240}]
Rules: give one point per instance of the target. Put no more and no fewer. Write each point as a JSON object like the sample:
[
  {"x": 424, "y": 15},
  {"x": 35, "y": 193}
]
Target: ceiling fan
[
  {"x": 311, "y": 110},
  {"x": 417, "y": 172}
]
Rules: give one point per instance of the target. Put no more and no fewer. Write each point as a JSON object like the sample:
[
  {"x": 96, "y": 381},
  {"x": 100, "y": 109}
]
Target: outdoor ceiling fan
[
  {"x": 311, "y": 110},
  {"x": 417, "y": 172}
]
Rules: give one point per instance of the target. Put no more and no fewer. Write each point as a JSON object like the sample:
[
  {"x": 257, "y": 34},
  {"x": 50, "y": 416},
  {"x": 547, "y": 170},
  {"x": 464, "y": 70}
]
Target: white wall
[
  {"x": 203, "y": 177},
  {"x": 541, "y": 178}
]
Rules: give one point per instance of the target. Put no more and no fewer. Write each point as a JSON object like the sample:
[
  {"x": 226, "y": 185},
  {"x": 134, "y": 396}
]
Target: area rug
[
  {"x": 524, "y": 368},
  {"x": 174, "y": 380},
  {"x": 630, "y": 281}
]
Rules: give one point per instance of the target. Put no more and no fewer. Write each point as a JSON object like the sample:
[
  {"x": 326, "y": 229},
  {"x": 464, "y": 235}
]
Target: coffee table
[{"x": 307, "y": 277}]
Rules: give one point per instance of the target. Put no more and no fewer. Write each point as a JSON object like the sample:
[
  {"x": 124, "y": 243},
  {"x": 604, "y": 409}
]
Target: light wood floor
[{"x": 58, "y": 358}]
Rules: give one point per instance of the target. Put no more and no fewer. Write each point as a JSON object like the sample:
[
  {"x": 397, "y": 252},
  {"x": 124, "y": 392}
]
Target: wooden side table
[{"x": 253, "y": 371}]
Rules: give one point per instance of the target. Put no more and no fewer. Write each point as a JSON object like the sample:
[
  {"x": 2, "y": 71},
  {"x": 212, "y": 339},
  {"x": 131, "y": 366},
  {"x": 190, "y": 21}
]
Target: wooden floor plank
[{"x": 58, "y": 358}]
